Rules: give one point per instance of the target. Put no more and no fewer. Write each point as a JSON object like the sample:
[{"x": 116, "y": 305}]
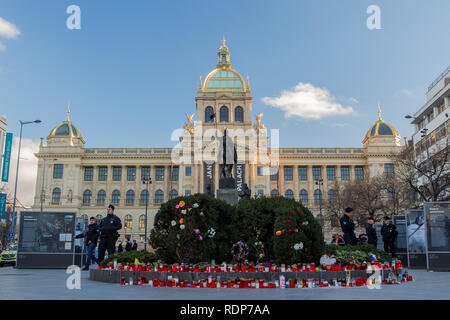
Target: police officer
[
  {"x": 348, "y": 227},
  {"x": 389, "y": 233},
  {"x": 108, "y": 234},
  {"x": 371, "y": 232}
]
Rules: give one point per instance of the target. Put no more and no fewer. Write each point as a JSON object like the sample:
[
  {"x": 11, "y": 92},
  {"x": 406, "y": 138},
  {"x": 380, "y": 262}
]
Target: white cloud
[
  {"x": 352, "y": 100},
  {"x": 308, "y": 102},
  {"x": 27, "y": 171},
  {"x": 7, "y": 29}
]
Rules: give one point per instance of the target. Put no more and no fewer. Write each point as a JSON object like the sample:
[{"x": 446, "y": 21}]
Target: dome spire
[
  {"x": 223, "y": 56},
  {"x": 379, "y": 112},
  {"x": 68, "y": 112}
]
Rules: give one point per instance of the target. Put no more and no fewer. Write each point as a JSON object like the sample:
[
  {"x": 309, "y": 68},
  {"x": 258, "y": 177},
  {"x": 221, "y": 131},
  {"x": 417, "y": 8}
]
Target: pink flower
[
  {"x": 177, "y": 206},
  {"x": 200, "y": 238},
  {"x": 202, "y": 214},
  {"x": 197, "y": 231},
  {"x": 295, "y": 230}
]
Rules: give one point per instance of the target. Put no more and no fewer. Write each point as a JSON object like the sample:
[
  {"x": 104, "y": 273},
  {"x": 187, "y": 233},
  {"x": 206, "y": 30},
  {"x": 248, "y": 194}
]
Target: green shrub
[
  {"x": 176, "y": 245},
  {"x": 357, "y": 254},
  {"x": 130, "y": 257}
]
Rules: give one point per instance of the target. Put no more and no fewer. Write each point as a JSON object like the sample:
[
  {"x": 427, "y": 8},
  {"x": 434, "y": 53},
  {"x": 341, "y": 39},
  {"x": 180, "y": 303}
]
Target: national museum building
[{"x": 73, "y": 178}]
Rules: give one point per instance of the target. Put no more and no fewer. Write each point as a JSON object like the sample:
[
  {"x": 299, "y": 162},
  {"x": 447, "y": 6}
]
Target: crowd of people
[{"x": 388, "y": 232}]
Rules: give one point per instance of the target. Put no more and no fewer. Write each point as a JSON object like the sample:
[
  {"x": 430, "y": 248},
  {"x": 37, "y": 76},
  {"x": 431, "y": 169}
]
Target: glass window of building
[
  {"x": 159, "y": 174},
  {"x": 102, "y": 173},
  {"x": 87, "y": 194},
  {"x": 145, "y": 173},
  {"x": 142, "y": 222},
  {"x": 58, "y": 171},
  {"x": 174, "y": 174},
  {"x": 144, "y": 197},
  {"x": 317, "y": 196},
  {"x": 303, "y": 173},
  {"x": 159, "y": 196},
  {"x": 388, "y": 169},
  {"x": 260, "y": 193},
  {"x": 345, "y": 173},
  {"x": 274, "y": 192},
  {"x": 223, "y": 114},
  {"x": 331, "y": 173},
  {"x": 288, "y": 173},
  {"x": 289, "y": 194},
  {"x": 117, "y": 173},
  {"x": 101, "y": 197},
  {"x": 331, "y": 196},
  {"x": 259, "y": 171},
  {"x": 274, "y": 173},
  {"x": 128, "y": 221},
  {"x": 88, "y": 173},
  {"x": 303, "y": 196},
  {"x": 188, "y": 171},
  {"x": 115, "y": 199},
  {"x": 239, "y": 114},
  {"x": 131, "y": 173},
  {"x": 359, "y": 173},
  {"x": 173, "y": 194},
  {"x": 317, "y": 173},
  {"x": 209, "y": 112},
  {"x": 129, "y": 198},
  {"x": 187, "y": 192},
  {"x": 56, "y": 196}
]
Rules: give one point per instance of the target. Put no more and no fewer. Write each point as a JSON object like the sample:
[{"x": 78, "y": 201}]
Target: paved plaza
[{"x": 51, "y": 284}]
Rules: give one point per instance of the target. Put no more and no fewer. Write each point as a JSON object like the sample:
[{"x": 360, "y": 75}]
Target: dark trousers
[
  {"x": 109, "y": 244},
  {"x": 91, "y": 254},
  {"x": 350, "y": 239},
  {"x": 389, "y": 247}
]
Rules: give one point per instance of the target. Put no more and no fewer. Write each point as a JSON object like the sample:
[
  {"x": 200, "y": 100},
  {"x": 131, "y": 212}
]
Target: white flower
[
  {"x": 173, "y": 223},
  {"x": 195, "y": 205},
  {"x": 182, "y": 226},
  {"x": 211, "y": 233},
  {"x": 183, "y": 211},
  {"x": 298, "y": 246}
]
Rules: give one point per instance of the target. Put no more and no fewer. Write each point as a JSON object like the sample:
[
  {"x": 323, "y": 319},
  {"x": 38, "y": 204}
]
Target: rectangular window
[
  {"x": 117, "y": 173},
  {"x": 345, "y": 173},
  {"x": 58, "y": 171},
  {"x": 131, "y": 173},
  {"x": 188, "y": 171},
  {"x": 259, "y": 171},
  {"x": 145, "y": 173},
  {"x": 359, "y": 173},
  {"x": 159, "y": 176},
  {"x": 102, "y": 173},
  {"x": 317, "y": 173},
  {"x": 303, "y": 173},
  {"x": 260, "y": 193},
  {"x": 187, "y": 193},
  {"x": 174, "y": 174},
  {"x": 388, "y": 169},
  {"x": 288, "y": 173},
  {"x": 331, "y": 173},
  {"x": 273, "y": 173},
  {"x": 88, "y": 173}
]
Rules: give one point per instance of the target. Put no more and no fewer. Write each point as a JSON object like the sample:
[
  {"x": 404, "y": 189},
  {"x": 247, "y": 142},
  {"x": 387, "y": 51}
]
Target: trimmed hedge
[
  {"x": 130, "y": 257},
  {"x": 360, "y": 253}
]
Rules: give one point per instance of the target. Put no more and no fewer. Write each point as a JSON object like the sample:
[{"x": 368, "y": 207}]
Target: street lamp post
[
  {"x": 43, "y": 179},
  {"x": 147, "y": 181},
  {"x": 319, "y": 182},
  {"x": 22, "y": 123}
]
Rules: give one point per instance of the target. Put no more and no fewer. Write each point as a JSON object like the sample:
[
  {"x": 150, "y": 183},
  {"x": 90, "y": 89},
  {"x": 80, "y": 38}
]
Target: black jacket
[
  {"x": 347, "y": 225},
  {"x": 109, "y": 226},
  {"x": 91, "y": 234},
  {"x": 128, "y": 246},
  {"x": 389, "y": 232},
  {"x": 134, "y": 247},
  {"x": 371, "y": 234}
]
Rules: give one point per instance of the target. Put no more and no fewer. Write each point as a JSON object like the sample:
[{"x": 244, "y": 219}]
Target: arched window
[
  {"x": 129, "y": 200},
  {"x": 223, "y": 114},
  {"x": 239, "y": 114},
  {"x": 87, "y": 194},
  {"x": 289, "y": 194},
  {"x": 209, "y": 111},
  {"x": 304, "y": 196},
  {"x": 128, "y": 222},
  {"x": 159, "y": 196},
  {"x": 317, "y": 196},
  {"x": 101, "y": 197},
  {"x": 274, "y": 192},
  {"x": 173, "y": 194},
  {"x": 115, "y": 199},
  {"x": 142, "y": 222},
  {"x": 144, "y": 197},
  {"x": 56, "y": 196},
  {"x": 331, "y": 195}
]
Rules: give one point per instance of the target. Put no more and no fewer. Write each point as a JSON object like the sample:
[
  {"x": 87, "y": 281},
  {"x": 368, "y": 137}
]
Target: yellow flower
[
  {"x": 181, "y": 204},
  {"x": 181, "y": 221}
]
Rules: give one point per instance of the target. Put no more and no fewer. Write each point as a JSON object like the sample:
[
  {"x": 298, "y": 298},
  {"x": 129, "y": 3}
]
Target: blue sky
[{"x": 132, "y": 70}]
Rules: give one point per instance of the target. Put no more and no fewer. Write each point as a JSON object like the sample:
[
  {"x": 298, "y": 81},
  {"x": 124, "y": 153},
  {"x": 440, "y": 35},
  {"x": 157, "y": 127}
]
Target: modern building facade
[{"x": 86, "y": 180}]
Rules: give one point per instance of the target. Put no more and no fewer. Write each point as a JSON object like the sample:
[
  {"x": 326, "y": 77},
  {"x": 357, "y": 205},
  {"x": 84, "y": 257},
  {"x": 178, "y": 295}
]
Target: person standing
[
  {"x": 389, "y": 233},
  {"x": 135, "y": 245},
  {"x": 371, "y": 232},
  {"x": 91, "y": 235},
  {"x": 108, "y": 234},
  {"x": 120, "y": 247},
  {"x": 348, "y": 227},
  {"x": 129, "y": 245}
]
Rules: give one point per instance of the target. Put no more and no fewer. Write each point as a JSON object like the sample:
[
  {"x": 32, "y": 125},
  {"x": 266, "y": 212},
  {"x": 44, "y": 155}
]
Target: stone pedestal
[{"x": 229, "y": 195}]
